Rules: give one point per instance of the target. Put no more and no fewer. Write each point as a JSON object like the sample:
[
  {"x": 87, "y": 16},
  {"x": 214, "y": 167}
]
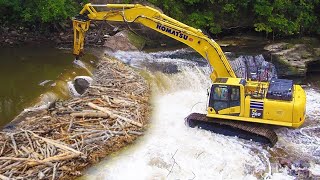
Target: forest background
[{"x": 273, "y": 18}]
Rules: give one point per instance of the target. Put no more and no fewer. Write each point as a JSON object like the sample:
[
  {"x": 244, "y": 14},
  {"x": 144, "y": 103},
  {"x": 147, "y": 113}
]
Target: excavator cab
[
  {"x": 225, "y": 99},
  {"x": 226, "y": 95}
]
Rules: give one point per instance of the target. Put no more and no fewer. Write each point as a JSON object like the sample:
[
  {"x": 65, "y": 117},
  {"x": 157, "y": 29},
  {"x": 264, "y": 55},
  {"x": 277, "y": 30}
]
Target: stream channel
[
  {"x": 35, "y": 75},
  {"x": 169, "y": 150}
]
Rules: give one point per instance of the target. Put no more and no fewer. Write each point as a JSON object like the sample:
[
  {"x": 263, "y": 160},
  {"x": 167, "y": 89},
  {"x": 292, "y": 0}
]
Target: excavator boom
[{"x": 154, "y": 19}]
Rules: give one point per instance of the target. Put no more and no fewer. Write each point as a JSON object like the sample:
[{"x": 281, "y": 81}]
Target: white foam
[
  {"x": 72, "y": 89},
  {"x": 171, "y": 150},
  {"x": 44, "y": 82}
]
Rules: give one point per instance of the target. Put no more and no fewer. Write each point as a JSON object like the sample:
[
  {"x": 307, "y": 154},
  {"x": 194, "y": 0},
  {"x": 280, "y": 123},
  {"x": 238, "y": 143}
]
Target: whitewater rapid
[{"x": 171, "y": 150}]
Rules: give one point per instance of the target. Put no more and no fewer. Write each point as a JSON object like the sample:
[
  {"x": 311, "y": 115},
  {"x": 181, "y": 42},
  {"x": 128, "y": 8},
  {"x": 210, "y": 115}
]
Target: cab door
[{"x": 225, "y": 99}]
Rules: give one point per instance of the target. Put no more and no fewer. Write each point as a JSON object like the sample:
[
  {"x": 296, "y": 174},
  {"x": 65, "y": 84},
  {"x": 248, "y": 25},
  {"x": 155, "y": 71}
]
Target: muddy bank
[
  {"x": 99, "y": 34},
  {"x": 71, "y": 135}
]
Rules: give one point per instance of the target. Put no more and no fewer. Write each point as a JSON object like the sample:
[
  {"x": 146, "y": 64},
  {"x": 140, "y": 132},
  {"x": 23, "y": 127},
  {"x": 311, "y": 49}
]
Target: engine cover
[{"x": 280, "y": 89}]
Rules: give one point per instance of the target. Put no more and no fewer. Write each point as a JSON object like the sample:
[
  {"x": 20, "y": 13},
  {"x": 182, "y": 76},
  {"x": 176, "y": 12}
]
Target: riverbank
[{"x": 60, "y": 142}]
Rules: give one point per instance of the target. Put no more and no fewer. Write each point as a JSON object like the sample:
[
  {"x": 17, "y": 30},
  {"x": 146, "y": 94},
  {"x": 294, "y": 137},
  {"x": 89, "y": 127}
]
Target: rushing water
[
  {"x": 171, "y": 150},
  {"x": 33, "y": 74}
]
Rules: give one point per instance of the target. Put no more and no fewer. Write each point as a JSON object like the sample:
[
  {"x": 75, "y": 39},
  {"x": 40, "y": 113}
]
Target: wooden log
[
  {"x": 14, "y": 144},
  {"x": 57, "y": 158},
  {"x": 26, "y": 159},
  {"x": 56, "y": 143},
  {"x": 100, "y": 88},
  {"x": 2, "y": 149},
  {"x": 135, "y": 133},
  {"x": 105, "y": 110},
  {"x": 4, "y": 177},
  {"x": 90, "y": 115},
  {"x": 29, "y": 140}
]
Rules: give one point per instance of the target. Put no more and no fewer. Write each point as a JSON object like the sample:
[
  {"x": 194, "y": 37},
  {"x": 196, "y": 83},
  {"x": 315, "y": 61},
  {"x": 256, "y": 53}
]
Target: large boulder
[
  {"x": 125, "y": 41},
  {"x": 81, "y": 84},
  {"x": 292, "y": 58}
]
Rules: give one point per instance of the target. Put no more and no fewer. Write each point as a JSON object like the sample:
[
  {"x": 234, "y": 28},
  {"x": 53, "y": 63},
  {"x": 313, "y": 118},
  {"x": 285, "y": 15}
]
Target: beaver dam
[{"x": 69, "y": 136}]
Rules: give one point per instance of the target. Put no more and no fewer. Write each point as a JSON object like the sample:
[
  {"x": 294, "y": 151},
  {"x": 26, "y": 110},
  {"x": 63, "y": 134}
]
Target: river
[
  {"x": 34, "y": 74},
  {"x": 171, "y": 150}
]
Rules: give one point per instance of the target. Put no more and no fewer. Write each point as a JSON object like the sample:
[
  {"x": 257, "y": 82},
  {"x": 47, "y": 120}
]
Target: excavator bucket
[{"x": 243, "y": 130}]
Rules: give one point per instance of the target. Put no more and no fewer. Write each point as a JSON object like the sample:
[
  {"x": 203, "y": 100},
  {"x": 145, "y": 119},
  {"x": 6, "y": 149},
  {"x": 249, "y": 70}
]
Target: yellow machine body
[{"x": 252, "y": 104}]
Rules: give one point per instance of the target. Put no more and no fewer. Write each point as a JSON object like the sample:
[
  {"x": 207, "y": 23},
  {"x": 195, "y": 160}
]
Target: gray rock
[
  {"x": 293, "y": 58},
  {"x": 124, "y": 41},
  {"x": 170, "y": 69},
  {"x": 301, "y": 173},
  {"x": 81, "y": 83},
  {"x": 14, "y": 32},
  {"x": 301, "y": 164},
  {"x": 284, "y": 162}
]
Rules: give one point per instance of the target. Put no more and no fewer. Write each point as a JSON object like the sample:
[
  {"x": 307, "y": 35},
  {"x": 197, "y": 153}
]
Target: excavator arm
[{"x": 154, "y": 19}]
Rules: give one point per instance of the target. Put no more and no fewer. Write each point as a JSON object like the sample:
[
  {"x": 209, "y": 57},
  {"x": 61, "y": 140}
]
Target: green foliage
[
  {"x": 37, "y": 11},
  {"x": 285, "y": 17},
  {"x": 47, "y": 11},
  {"x": 279, "y": 17},
  {"x": 204, "y": 20}
]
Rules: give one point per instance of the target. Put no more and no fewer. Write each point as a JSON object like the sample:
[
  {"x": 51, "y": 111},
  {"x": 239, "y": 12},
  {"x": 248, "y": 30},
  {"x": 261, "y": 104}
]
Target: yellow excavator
[{"x": 239, "y": 107}]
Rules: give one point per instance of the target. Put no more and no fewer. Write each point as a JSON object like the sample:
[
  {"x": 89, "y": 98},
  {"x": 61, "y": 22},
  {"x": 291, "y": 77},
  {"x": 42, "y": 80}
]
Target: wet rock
[
  {"x": 292, "y": 57},
  {"x": 124, "y": 41},
  {"x": 301, "y": 164},
  {"x": 82, "y": 83},
  {"x": 300, "y": 173},
  {"x": 14, "y": 33},
  {"x": 284, "y": 162},
  {"x": 6, "y": 29},
  {"x": 254, "y": 68},
  {"x": 298, "y": 169},
  {"x": 316, "y": 153},
  {"x": 170, "y": 69}
]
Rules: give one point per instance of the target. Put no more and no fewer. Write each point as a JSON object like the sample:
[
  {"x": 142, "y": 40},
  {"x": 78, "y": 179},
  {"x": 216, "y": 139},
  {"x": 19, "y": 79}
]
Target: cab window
[
  {"x": 221, "y": 93},
  {"x": 235, "y": 93},
  {"x": 235, "y": 96},
  {"x": 223, "y": 97},
  {"x": 220, "y": 97}
]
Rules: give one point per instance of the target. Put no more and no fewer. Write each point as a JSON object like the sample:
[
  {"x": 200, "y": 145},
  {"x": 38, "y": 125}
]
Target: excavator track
[{"x": 249, "y": 131}]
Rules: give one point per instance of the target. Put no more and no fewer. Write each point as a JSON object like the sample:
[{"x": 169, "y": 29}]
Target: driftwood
[
  {"x": 58, "y": 143},
  {"x": 114, "y": 115},
  {"x": 90, "y": 115}
]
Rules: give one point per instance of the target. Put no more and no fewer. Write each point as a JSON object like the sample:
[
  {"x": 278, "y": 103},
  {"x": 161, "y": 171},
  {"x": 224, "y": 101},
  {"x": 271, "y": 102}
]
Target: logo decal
[
  {"x": 256, "y": 109},
  {"x": 173, "y": 32}
]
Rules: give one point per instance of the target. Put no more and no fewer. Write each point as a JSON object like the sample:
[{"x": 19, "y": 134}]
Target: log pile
[{"x": 58, "y": 143}]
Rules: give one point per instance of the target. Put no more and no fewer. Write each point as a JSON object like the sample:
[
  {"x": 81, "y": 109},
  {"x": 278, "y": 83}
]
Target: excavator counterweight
[{"x": 237, "y": 106}]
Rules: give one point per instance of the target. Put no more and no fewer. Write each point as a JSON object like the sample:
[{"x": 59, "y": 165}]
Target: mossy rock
[
  {"x": 125, "y": 41},
  {"x": 293, "y": 56},
  {"x": 136, "y": 40}
]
